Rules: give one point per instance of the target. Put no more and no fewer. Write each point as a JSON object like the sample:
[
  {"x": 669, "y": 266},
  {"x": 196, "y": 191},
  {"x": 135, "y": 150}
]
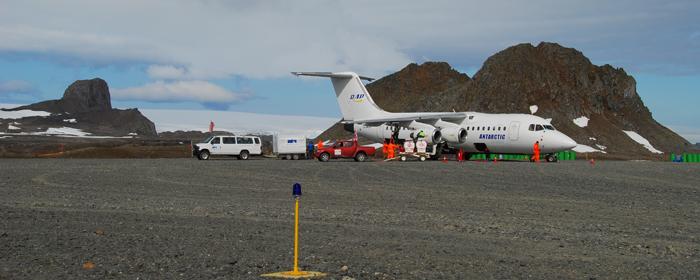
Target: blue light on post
[{"x": 296, "y": 191}]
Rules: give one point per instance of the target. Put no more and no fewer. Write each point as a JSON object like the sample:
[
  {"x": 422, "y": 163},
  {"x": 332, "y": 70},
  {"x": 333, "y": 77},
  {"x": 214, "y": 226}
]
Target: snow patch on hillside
[
  {"x": 581, "y": 121},
  {"x": 533, "y": 109},
  {"x": 21, "y": 113},
  {"x": 580, "y": 148},
  {"x": 641, "y": 140}
]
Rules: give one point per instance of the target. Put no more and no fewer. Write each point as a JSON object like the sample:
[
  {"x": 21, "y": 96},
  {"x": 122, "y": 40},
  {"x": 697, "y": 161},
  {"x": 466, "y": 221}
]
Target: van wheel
[
  {"x": 203, "y": 155},
  {"x": 295, "y": 157},
  {"x": 324, "y": 157},
  {"x": 360, "y": 157},
  {"x": 243, "y": 155}
]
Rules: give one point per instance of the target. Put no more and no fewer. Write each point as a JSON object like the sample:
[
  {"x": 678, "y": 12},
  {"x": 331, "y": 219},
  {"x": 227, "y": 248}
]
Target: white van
[{"x": 241, "y": 146}]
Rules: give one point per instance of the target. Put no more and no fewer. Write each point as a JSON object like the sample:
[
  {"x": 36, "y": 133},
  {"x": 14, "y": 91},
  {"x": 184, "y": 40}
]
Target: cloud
[
  {"x": 266, "y": 39},
  {"x": 168, "y": 72},
  {"x": 180, "y": 91},
  {"x": 16, "y": 87}
]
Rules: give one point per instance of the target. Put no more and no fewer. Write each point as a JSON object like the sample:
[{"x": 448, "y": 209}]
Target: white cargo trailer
[{"x": 289, "y": 146}]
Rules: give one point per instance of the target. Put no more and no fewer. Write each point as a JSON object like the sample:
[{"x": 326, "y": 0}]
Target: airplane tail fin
[{"x": 354, "y": 100}]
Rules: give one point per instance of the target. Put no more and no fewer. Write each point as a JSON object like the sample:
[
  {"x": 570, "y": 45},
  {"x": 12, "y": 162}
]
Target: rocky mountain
[
  {"x": 560, "y": 81},
  {"x": 86, "y": 106}
]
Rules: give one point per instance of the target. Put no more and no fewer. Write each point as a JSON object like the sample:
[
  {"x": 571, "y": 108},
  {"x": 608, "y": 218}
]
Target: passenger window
[
  {"x": 499, "y": 128},
  {"x": 216, "y": 140},
  {"x": 347, "y": 144},
  {"x": 257, "y": 140},
  {"x": 477, "y": 128},
  {"x": 531, "y": 128},
  {"x": 539, "y": 127},
  {"x": 229, "y": 140}
]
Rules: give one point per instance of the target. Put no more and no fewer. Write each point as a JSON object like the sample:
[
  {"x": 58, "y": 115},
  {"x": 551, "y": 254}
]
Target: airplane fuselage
[{"x": 499, "y": 133}]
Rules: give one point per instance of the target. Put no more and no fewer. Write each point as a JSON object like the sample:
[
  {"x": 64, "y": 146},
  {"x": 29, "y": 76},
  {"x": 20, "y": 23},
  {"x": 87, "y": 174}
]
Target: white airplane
[{"x": 471, "y": 131}]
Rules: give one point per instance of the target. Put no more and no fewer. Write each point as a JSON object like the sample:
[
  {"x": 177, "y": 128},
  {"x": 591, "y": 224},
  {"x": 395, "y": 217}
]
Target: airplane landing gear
[{"x": 551, "y": 158}]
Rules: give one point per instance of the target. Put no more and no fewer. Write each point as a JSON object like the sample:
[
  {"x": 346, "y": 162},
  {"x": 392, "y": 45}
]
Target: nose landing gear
[{"x": 551, "y": 158}]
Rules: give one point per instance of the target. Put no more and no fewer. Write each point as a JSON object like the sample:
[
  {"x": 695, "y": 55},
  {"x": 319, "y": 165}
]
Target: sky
[{"x": 237, "y": 55}]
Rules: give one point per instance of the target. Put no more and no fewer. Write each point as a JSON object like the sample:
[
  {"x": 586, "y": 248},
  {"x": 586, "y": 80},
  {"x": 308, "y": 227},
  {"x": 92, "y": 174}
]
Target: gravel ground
[{"x": 231, "y": 219}]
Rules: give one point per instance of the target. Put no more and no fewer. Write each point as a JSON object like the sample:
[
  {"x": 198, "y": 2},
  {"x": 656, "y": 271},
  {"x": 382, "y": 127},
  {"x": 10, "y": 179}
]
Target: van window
[
  {"x": 229, "y": 140},
  {"x": 216, "y": 140},
  {"x": 531, "y": 128},
  {"x": 257, "y": 140},
  {"x": 244, "y": 140},
  {"x": 289, "y": 141},
  {"x": 539, "y": 127}
]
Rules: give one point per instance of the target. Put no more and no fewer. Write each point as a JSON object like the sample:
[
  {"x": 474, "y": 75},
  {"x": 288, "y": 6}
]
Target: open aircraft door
[{"x": 514, "y": 130}]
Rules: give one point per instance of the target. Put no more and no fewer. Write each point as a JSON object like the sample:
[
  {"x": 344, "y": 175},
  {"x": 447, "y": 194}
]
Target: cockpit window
[
  {"x": 531, "y": 128},
  {"x": 548, "y": 127},
  {"x": 539, "y": 127}
]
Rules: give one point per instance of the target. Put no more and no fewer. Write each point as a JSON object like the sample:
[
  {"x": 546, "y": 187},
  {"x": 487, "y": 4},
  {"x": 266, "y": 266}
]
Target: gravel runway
[{"x": 232, "y": 219}]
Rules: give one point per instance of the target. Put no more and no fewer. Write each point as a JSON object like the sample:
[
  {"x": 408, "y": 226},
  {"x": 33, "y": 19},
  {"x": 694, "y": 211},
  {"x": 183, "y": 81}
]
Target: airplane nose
[{"x": 566, "y": 142}]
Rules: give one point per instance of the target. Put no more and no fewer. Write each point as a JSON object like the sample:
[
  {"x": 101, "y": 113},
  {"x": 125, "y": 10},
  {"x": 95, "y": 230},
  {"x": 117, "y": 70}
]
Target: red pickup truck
[{"x": 345, "y": 149}]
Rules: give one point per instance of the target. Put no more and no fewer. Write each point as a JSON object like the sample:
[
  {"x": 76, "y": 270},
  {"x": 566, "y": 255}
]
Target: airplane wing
[{"x": 424, "y": 118}]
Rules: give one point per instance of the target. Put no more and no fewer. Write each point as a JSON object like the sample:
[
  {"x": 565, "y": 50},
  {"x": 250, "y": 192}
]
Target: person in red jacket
[{"x": 536, "y": 150}]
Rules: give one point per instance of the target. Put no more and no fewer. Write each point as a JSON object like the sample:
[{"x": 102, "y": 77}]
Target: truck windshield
[{"x": 208, "y": 139}]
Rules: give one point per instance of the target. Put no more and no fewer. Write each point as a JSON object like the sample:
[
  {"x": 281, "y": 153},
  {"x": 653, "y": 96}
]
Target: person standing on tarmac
[
  {"x": 310, "y": 152},
  {"x": 536, "y": 150},
  {"x": 385, "y": 149}
]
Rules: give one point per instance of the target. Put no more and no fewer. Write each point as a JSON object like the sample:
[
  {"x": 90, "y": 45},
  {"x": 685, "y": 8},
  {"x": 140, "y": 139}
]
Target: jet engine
[
  {"x": 452, "y": 133},
  {"x": 433, "y": 135}
]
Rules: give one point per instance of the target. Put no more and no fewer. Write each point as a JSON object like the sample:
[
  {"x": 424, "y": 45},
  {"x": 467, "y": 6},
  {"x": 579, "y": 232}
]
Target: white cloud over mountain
[{"x": 178, "y": 91}]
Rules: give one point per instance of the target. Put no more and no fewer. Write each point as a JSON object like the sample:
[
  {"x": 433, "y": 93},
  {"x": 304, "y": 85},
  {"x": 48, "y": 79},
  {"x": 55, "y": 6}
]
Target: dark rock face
[
  {"x": 561, "y": 81},
  {"x": 89, "y": 103},
  {"x": 87, "y": 95}
]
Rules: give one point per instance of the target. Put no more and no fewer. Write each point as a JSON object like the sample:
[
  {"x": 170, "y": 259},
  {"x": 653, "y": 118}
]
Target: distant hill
[
  {"x": 85, "y": 106},
  {"x": 560, "y": 81}
]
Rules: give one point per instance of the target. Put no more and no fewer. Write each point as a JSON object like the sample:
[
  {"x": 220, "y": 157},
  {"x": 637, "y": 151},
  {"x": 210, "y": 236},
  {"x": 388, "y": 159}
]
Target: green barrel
[
  {"x": 569, "y": 156},
  {"x": 564, "y": 155},
  {"x": 673, "y": 156},
  {"x": 560, "y": 155},
  {"x": 685, "y": 157},
  {"x": 694, "y": 158},
  {"x": 573, "y": 155}
]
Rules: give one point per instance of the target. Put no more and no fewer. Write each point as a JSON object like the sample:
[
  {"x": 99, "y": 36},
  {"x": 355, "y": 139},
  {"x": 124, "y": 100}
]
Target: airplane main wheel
[
  {"x": 422, "y": 158},
  {"x": 551, "y": 158}
]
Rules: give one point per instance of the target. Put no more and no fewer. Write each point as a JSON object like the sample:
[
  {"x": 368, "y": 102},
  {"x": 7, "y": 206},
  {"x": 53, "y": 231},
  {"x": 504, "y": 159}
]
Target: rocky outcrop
[
  {"x": 87, "y": 106},
  {"x": 561, "y": 81}
]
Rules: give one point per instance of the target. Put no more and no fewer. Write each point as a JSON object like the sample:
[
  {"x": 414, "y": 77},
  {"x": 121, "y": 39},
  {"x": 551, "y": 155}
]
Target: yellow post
[
  {"x": 296, "y": 273},
  {"x": 296, "y": 236}
]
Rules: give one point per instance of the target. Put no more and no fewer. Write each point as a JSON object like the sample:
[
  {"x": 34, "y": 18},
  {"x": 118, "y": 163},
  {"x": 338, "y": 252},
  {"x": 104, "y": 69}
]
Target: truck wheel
[
  {"x": 243, "y": 155},
  {"x": 203, "y": 155},
  {"x": 324, "y": 157},
  {"x": 295, "y": 157},
  {"x": 288, "y": 157},
  {"x": 360, "y": 157}
]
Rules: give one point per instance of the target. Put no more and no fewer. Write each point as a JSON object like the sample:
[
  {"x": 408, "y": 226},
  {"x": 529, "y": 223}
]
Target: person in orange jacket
[
  {"x": 319, "y": 146},
  {"x": 536, "y": 150},
  {"x": 385, "y": 149},
  {"x": 391, "y": 149}
]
